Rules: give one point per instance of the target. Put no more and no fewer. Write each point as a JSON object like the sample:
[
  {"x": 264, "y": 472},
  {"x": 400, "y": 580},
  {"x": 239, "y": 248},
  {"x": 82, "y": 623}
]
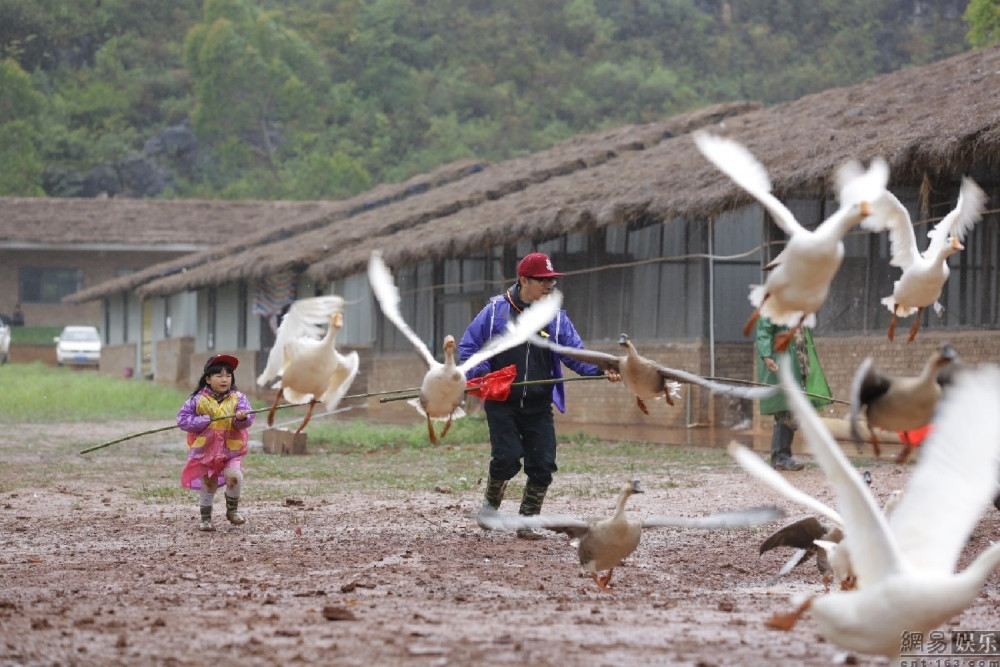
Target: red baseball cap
[
  {"x": 218, "y": 359},
  {"x": 537, "y": 265}
]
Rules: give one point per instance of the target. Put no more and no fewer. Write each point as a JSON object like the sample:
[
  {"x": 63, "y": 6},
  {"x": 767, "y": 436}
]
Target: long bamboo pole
[
  {"x": 161, "y": 429},
  {"x": 410, "y": 392},
  {"x": 512, "y": 384},
  {"x": 764, "y": 384},
  {"x": 173, "y": 426},
  {"x": 601, "y": 377}
]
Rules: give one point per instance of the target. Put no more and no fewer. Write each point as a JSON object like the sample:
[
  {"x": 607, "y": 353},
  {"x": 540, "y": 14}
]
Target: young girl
[{"x": 216, "y": 448}]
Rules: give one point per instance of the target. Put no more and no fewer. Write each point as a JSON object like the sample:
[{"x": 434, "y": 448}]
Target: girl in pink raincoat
[{"x": 216, "y": 418}]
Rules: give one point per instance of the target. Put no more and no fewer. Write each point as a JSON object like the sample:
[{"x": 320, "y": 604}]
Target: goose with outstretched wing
[
  {"x": 442, "y": 390},
  {"x": 799, "y": 278},
  {"x": 647, "y": 379}
]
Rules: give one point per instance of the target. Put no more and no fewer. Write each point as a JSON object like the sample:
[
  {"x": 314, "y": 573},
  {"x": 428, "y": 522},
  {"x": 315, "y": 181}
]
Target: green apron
[{"x": 813, "y": 382}]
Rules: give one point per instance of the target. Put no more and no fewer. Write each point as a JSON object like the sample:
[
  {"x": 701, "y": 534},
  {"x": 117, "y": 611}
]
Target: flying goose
[
  {"x": 443, "y": 388},
  {"x": 304, "y": 357},
  {"x": 800, "y": 275},
  {"x": 924, "y": 274},
  {"x": 898, "y": 403},
  {"x": 905, "y": 564},
  {"x": 604, "y": 542},
  {"x": 646, "y": 378}
]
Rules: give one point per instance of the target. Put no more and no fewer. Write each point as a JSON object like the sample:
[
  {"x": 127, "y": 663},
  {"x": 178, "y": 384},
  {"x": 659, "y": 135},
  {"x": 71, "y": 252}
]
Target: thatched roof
[
  {"x": 494, "y": 183},
  {"x": 939, "y": 119},
  {"x": 41, "y": 221},
  {"x": 252, "y": 224}
]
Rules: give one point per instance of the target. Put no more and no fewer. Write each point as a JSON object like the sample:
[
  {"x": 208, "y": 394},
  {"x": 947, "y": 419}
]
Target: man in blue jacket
[{"x": 522, "y": 426}]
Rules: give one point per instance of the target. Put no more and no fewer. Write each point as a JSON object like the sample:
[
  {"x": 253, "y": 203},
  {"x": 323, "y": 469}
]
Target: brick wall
[
  {"x": 602, "y": 409},
  {"x": 840, "y": 357},
  {"x": 609, "y": 410},
  {"x": 26, "y": 354},
  {"x": 118, "y": 360},
  {"x": 605, "y": 410},
  {"x": 173, "y": 360},
  {"x": 391, "y": 372}
]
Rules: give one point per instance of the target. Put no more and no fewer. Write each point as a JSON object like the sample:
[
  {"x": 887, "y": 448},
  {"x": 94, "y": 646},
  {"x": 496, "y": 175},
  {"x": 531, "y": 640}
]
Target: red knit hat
[{"x": 537, "y": 265}]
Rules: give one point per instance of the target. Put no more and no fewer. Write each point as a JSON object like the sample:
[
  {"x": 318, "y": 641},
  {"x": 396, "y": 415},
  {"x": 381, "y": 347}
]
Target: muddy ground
[{"x": 96, "y": 569}]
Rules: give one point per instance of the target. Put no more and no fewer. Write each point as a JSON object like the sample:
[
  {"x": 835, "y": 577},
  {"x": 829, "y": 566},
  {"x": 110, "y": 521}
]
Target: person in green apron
[{"x": 809, "y": 375}]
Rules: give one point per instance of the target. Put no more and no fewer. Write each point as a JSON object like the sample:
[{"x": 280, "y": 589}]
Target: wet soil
[{"x": 94, "y": 570}]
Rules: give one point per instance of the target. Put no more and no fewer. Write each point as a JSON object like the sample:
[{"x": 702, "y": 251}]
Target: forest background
[{"x": 322, "y": 99}]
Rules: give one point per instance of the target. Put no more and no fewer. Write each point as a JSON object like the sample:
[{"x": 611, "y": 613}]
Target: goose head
[
  {"x": 630, "y": 489},
  {"x": 449, "y": 350},
  {"x": 624, "y": 341},
  {"x": 950, "y": 248}
]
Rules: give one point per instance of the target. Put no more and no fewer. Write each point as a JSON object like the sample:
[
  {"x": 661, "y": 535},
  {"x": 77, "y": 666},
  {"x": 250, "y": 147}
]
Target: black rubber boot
[
  {"x": 781, "y": 448},
  {"x": 495, "y": 488},
  {"x": 232, "y": 512},
  {"x": 206, "y": 519},
  {"x": 531, "y": 504}
]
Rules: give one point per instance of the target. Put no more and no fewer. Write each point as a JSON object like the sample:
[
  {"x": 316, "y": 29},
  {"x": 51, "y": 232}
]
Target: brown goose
[
  {"x": 604, "y": 543},
  {"x": 646, "y": 378},
  {"x": 898, "y": 403}
]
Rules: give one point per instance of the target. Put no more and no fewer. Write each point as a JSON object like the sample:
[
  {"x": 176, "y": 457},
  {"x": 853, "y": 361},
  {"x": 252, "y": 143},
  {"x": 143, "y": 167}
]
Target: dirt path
[{"x": 94, "y": 569}]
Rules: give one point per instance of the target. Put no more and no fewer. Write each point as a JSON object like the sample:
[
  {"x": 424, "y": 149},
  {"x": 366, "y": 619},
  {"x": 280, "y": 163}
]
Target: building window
[{"x": 39, "y": 285}]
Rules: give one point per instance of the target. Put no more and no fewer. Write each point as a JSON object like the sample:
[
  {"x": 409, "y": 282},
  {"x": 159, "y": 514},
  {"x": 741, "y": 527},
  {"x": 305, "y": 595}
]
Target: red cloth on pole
[{"x": 493, "y": 386}]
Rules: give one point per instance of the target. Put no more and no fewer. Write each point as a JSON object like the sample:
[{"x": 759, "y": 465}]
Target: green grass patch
[
  {"x": 360, "y": 435},
  {"x": 36, "y": 393},
  {"x": 34, "y": 335}
]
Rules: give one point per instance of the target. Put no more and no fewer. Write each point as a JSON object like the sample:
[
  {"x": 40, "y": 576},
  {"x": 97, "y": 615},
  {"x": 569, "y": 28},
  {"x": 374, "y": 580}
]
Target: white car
[
  {"x": 78, "y": 345},
  {"x": 4, "y": 342}
]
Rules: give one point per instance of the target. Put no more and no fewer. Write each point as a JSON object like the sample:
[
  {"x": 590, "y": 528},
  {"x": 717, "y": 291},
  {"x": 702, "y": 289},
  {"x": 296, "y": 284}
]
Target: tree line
[{"x": 320, "y": 99}]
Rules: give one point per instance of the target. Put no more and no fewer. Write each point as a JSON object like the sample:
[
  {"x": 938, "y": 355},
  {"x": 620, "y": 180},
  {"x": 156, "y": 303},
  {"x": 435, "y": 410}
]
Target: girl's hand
[{"x": 241, "y": 415}]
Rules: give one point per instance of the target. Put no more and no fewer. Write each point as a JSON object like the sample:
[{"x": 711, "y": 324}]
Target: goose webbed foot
[
  {"x": 786, "y": 622},
  {"x": 642, "y": 405},
  {"x": 430, "y": 432},
  {"x": 602, "y": 581},
  {"x": 308, "y": 416},
  {"x": 447, "y": 426}
]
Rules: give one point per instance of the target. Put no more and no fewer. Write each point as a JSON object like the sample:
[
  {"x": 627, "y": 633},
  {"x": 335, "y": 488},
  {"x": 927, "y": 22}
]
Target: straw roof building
[{"x": 655, "y": 241}]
